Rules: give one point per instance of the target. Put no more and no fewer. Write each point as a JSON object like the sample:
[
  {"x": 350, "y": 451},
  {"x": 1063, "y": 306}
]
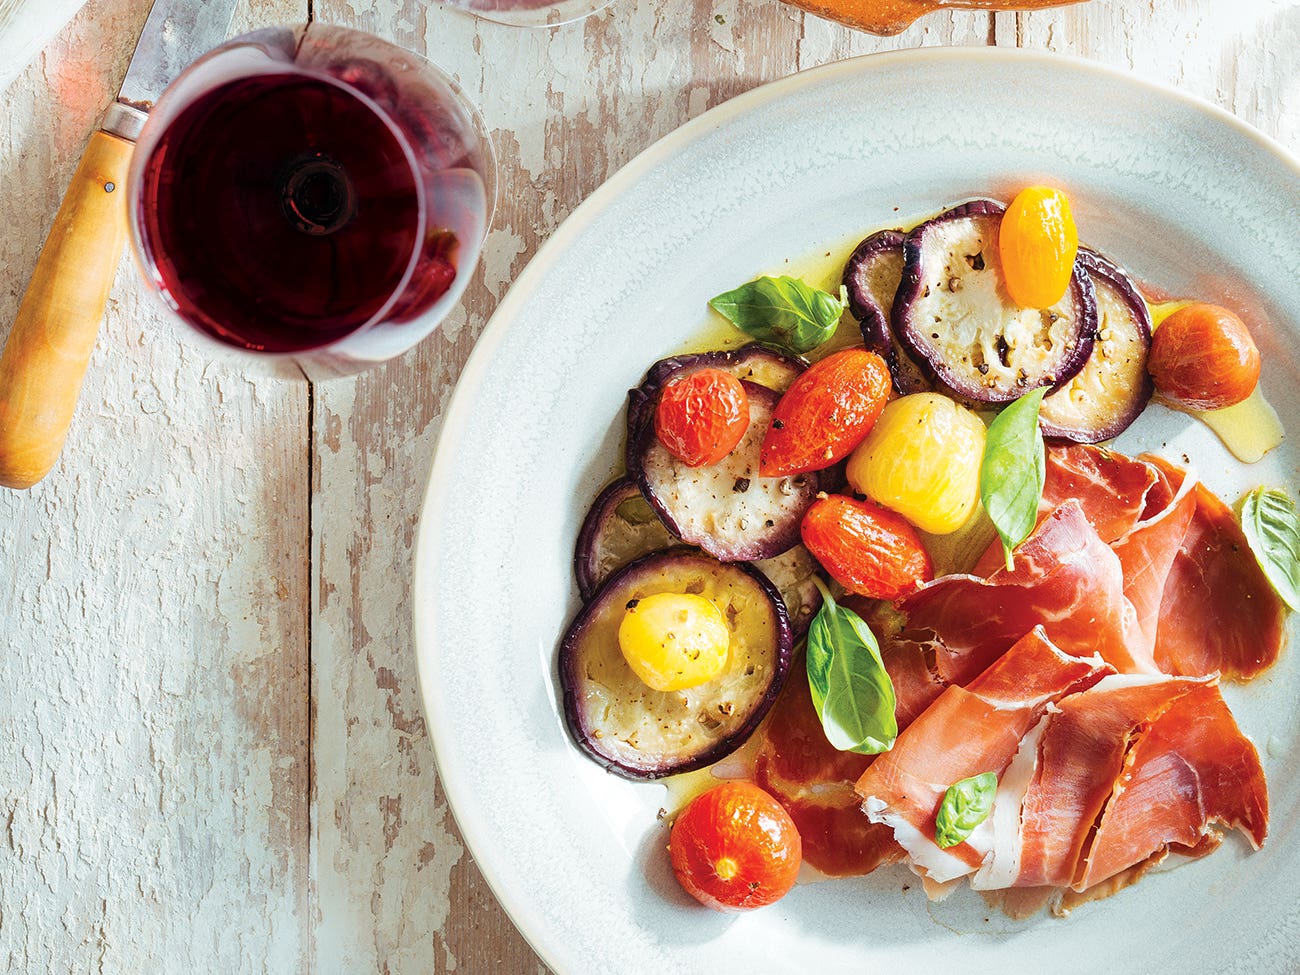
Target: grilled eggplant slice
[
  {"x": 641, "y": 733},
  {"x": 726, "y": 508},
  {"x": 1113, "y": 387},
  {"x": 954, "y": 316},
  {"x": 620, "y": 526},
  {"x": 871, "y": 277}
]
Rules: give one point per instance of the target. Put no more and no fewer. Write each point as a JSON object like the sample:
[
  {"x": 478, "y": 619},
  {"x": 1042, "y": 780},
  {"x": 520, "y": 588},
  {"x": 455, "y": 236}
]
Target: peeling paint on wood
[
  {"x": 153, "y": 668},
  {"x": 162, "y": 587}
]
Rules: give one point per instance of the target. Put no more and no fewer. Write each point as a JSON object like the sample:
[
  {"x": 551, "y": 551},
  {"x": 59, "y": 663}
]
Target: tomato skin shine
[
  {"x": 1203, "y": 358},
  {"x": 1037, "y": 242},
  {"x": 867, "y": 549},
  {"x": 702, "y": 416},
  {"x": 735, "y": 848},
  {"x": 825, "y": 413}
]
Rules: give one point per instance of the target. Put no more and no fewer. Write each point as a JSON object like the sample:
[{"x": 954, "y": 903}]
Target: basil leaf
[
  {"x": 851, "y": 689},
  {"x": 1013, "y": 470},
  {"x": 1272, "y": 528},
  {"x": 965, "y": 805},
  {"x": 782, "y": 311}
]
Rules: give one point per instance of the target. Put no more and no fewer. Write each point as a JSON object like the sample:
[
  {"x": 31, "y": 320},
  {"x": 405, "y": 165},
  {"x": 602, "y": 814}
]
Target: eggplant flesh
[
  {"x": 1113, "y": 387},
  {"x": 954, "y": 315},
  {"x": 871, "y": 278},
  {"x": 792, "y": 573},
  {"x": 640, "y": 733},
  {"x": 728, "y": 509}
]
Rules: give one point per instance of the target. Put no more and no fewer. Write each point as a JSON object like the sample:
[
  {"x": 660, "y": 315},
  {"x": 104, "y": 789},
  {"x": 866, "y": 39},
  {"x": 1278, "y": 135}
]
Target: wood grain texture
[
  {"x": 1243, "y": 56},
  {"x": 153, "y": 667}
]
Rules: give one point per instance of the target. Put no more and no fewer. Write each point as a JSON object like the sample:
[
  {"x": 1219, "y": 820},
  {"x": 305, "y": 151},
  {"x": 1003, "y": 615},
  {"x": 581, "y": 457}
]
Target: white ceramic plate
[{"x": 1180, "y": 192}]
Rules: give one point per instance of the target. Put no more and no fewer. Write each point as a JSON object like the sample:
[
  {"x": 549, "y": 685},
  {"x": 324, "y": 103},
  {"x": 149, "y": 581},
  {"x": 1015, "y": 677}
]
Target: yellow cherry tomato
[
  {"x": 922, "y": 459},
  {"x": 1037, "y": 241},
  {"x": 673, "y": 641}
]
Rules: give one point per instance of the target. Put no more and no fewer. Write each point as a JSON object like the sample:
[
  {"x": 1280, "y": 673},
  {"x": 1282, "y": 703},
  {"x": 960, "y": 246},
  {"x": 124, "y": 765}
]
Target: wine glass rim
[{"x": 165, "y": 114}]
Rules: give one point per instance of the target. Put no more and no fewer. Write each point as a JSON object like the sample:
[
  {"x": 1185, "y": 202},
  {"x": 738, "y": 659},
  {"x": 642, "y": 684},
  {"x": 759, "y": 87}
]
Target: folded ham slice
[
  {"x": 1146, "y": 551},
  {"x": 967, "y": 731},
  {"x": 1192, "y": 768},
  {"x": 1201, "y": 604},
  {"x": 1114, "y": 490},
  {"x": 1065, "y": 578},
  {"x": 805, "y": 773},
  {"x": 1218, "y": 613},
  {"x": 1080, "y": 759},
  {"x": 1101, "y": 775}
]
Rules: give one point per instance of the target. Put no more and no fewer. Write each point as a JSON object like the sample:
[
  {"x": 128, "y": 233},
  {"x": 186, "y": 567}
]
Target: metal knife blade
[{"x": 175, "y": 35}]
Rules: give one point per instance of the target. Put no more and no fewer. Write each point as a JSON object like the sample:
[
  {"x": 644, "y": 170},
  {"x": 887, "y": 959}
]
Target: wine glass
[
  {"x": 528, "y": 13},
  {"x": 312, "y": 193}
]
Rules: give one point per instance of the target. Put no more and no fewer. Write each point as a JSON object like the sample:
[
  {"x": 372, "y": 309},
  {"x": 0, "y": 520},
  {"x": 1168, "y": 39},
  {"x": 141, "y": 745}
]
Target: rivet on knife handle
[{"x": 45, "y": 357}]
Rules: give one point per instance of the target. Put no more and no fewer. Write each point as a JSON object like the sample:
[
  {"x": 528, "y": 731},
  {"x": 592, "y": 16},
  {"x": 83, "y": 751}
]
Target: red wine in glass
[
  {"x": 283, "y": 211},
  {"x": 283, "y": 206}
]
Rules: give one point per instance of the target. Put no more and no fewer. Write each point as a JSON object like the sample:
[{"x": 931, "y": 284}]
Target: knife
[{"x": 45, "y": 358}]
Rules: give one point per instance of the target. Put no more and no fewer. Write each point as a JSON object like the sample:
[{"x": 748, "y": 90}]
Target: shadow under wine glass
[{"x": 311, "y": 194}]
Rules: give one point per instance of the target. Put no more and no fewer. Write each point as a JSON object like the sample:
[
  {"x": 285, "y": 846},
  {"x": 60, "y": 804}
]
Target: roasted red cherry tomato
[
  {"x": 1203, "y": 358},
  {"x": 701, "y": 417},
  {"x": 867, "y": 549},
  {"x": 735, "y": 848},
  {"x": 827, "y": 411}
]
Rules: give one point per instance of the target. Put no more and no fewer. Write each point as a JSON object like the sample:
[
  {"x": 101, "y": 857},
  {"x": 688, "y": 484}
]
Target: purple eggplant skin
[
  {"x": 871, "y": 278},
  {"x": 728, "y": 509},
  {"x": 639, "y": 733},
  {"x": 754, "y": 363},
  {"x": 976, "y": 371},
  {"x": 1113, "y": 387}
]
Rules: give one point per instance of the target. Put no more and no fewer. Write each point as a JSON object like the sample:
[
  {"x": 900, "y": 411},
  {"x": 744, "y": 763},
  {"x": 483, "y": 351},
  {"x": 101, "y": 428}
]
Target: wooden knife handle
[{"x": 45, "y": 358}]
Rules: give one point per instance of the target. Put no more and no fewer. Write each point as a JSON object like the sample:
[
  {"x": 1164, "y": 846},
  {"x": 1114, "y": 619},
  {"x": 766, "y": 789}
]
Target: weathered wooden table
[{"x": 214, "y": 757}]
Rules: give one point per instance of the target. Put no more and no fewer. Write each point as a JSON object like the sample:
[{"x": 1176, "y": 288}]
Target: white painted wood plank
[
  {"x": 25, "y": 27},
  {"x": 567, "y": 107},
  {"x": 1243, "y": 56},
  {"x": 153, "y": 668}
]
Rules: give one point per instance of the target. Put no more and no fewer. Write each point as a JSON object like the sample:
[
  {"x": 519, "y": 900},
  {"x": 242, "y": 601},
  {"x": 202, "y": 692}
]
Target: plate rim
[{"x": 457, "y": 414}]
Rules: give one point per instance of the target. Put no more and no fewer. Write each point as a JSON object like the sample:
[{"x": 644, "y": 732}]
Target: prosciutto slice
[
  {"x": 1114, "y": 490},
  {"x": 1146, "y": 553},
  {"x": 1191, "y": 769},
  {"x": 1200, "y": 603},
  {"x": 1218, "y": 613},
  {"x": 1080, "y": 759},
  {"x": 814, "y": 782},
  {"x": 1064, "y": 578},
  {"x": 967, "y": 731}
]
